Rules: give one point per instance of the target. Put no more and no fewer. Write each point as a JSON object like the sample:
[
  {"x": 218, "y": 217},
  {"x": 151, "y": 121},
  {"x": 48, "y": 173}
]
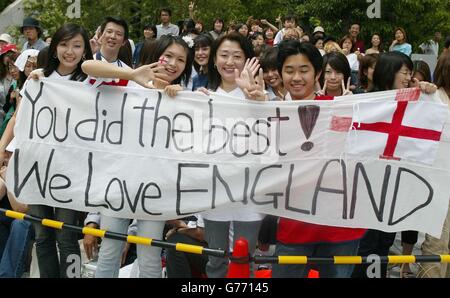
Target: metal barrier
[{"x": 195, "y": 249}]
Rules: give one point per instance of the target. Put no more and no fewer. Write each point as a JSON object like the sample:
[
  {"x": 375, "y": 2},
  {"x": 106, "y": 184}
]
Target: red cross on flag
[{"x": 409, "y": 130}]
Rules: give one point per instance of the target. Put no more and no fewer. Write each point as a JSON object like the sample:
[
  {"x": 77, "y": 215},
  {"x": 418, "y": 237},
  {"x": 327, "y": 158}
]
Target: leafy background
[{"x": 420, "y": 18}]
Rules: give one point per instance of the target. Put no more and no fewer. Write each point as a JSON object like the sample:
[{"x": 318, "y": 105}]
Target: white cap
[
  {"x": 6, "y": 38},
  {"x": 319, "y": 29},
  {"x": 22, "y": 59}
]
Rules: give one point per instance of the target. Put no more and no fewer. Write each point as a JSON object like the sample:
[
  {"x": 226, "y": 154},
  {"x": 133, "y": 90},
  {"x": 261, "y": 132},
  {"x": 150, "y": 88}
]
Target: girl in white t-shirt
[
  {"x": 68, "y": 49},
  {"x": 231, "y": 71},
  {"x": 167, "y": 64}
]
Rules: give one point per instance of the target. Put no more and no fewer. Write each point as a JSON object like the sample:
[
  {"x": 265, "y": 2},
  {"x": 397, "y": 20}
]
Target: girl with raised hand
[
  {"x": 335, "y": 77},
  {"x": 232, "y": 70},
  {"x": 166, "y": 64}
]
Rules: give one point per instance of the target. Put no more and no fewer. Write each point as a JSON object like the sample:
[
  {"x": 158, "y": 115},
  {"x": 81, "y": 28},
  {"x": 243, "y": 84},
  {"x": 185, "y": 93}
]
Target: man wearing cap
[
  {"x": 32, "y": 31},
  {"x": 319, "y": 32}
]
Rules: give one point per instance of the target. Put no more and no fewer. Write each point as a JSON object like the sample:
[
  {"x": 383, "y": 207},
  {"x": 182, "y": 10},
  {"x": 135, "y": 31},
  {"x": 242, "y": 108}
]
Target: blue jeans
[
  {"x": 349, "y": 248},
  {"x": 15, "y": 249},
  {"x": 46, "y": 238},
  {"x": 110, "y": 254}
]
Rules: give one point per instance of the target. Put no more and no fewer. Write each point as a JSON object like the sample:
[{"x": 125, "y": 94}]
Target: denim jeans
[
  {"x": 15, "y": 251},
  {"x": 46, "y": 238},
  {"x": 110, "y": 254},
  {"x": 348, "y": 248}
]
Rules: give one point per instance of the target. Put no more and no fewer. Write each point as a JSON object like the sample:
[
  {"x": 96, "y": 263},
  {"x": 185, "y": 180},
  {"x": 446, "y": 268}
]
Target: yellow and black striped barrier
[
  {"x": 194, "y": 249},
  {"x": 345, "y": 260}
]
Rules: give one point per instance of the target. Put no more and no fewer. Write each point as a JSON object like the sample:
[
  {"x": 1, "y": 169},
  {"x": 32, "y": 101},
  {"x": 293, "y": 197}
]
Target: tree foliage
[
  {"x": 420, "y": 18},
  {"x": 4, "y": 4}
]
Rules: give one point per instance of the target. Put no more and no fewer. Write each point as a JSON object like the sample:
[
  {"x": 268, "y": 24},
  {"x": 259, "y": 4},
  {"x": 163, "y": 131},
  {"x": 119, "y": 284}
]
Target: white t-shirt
[
  {"x": 353, "y": 61},
  {"x": 237, "y": 92},
  {"x": 279, "y": 37},
  {"x": 232, "y": 214},
  {"x": 430, "y": 48},
  {"x": 56, "y": 75},
  {"x": 95, "y": 82}
]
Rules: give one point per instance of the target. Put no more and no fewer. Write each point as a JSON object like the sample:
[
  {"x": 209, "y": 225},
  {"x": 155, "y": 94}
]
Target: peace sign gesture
[
  {"x": 191, "y": 6},
  {"x": 321, "y": 91},
  {"x": 346, "y": 91}
]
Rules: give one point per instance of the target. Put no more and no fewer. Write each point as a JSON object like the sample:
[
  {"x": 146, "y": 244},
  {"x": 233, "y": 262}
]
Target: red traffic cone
[
  {"x": 239, "y": 262},
  {"x": 313, "y": 274}
]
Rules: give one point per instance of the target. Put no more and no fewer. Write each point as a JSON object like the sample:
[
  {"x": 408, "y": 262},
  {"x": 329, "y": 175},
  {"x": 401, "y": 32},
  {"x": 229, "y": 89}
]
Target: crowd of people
[{"x": 255, "y": 60}]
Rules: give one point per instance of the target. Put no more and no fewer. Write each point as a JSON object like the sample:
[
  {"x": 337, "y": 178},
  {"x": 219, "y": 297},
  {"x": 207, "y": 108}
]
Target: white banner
[{"x": 137, "y": 153}]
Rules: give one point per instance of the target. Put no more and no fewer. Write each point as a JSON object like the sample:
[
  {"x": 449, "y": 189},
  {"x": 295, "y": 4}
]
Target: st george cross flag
[{"x": 407, "y": 130}]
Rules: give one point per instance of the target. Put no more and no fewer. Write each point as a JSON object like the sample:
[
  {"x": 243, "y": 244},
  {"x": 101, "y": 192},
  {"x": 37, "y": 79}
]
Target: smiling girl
[
  {"x": 68, "y": 49},
  {"x": 166, "y": 64}
]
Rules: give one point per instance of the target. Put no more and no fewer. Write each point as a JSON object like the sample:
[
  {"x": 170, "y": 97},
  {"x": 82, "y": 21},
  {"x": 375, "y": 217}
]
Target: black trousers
[
  {"x": 410, "y": 237},
  {"x": 374, "y": 242},
  {"x": 185, "y": 265}
]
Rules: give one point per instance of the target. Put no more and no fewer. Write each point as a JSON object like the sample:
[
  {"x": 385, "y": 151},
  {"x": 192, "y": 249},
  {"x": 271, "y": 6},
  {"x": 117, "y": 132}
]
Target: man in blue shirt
[{"x": 32, "y": 31}]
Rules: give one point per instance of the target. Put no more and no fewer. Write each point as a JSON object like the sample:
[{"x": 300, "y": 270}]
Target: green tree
[
  {"x": 420, "y": 18},
  {"x": 336, "y": 16},
  {"x": 4, "y": 4}
]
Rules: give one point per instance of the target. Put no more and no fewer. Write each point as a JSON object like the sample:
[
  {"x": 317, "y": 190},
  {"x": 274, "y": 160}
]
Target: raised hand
[
  {"x": 257, "y": 87},
  {"x": 150, "y": 76},
  {"x": 191, "y": 6},
  {"x": 321, "y": 91},
  {"x": 278, "y": 19},
  {"x": 245, "y": 78},
  {"x": 346, "y": 90}
]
